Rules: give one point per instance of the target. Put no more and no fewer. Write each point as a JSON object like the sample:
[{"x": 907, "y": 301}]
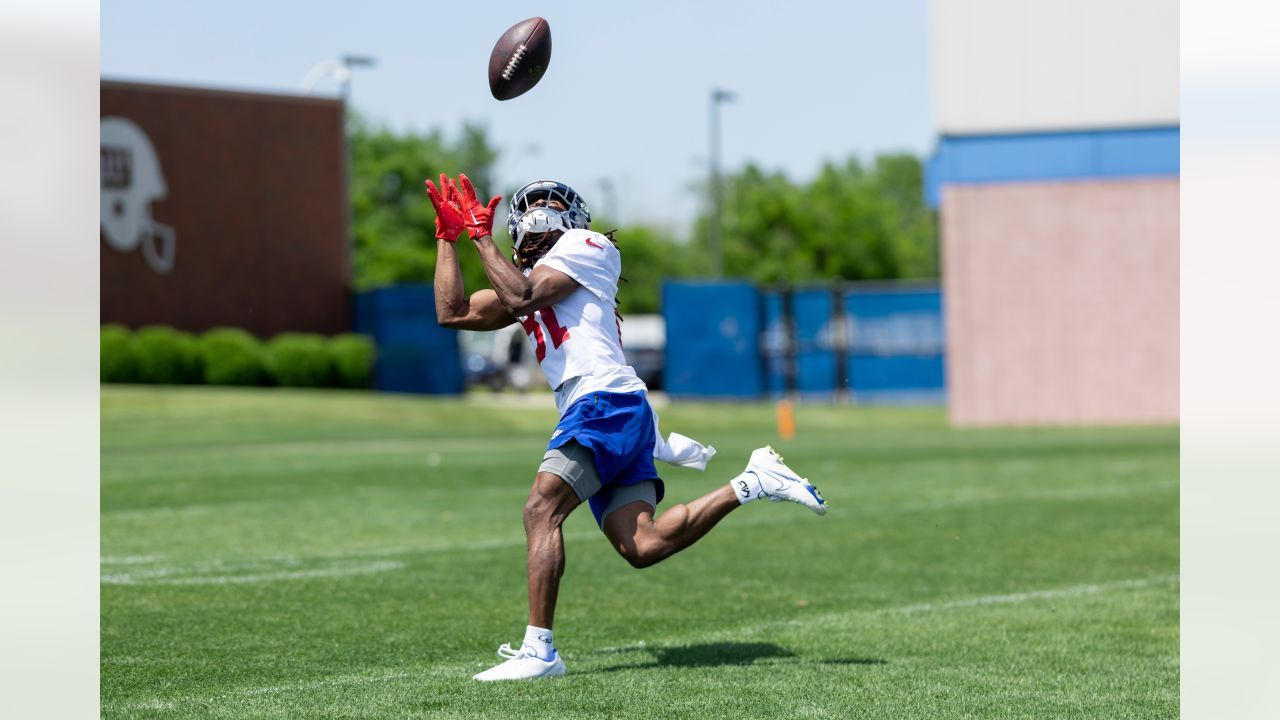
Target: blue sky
[{"x": 625, "y": 97}]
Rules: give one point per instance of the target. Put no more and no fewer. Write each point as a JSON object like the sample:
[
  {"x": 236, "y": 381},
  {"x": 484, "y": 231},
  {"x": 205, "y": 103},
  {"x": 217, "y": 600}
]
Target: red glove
[
  {"x": 479, "y": 217},
  {"x": 449, "y": 222}
]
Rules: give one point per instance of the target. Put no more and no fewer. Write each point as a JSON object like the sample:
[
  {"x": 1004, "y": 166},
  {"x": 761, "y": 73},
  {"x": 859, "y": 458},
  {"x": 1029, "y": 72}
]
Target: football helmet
[
  {"x": 524, "y": 218},
  {"x": 131, "y": 181}
]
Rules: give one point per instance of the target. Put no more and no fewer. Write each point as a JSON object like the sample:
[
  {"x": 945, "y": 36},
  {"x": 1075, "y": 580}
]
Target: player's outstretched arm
[
  {"x": 519, "y": 295},
  {"x": 522, "y": 295},
  {"x": 483, "y": 311}
]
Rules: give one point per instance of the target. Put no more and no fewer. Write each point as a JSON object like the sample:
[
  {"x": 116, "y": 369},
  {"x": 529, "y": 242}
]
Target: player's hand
[
  {"x": 478, "y": 216},
  {"x": 449, "y": 222}
]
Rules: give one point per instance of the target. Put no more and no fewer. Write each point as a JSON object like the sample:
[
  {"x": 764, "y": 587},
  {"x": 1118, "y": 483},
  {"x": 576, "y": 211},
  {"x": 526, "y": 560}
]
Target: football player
[{"x": 561, "y": 284}]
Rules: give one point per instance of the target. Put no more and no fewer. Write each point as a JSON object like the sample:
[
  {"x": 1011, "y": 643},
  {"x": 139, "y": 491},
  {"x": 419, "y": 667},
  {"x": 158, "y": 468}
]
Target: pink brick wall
[{"x": 1061, "y": 302}]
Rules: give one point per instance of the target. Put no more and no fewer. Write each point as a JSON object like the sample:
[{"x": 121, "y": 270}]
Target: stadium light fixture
[{"x": 338, "y": 71}]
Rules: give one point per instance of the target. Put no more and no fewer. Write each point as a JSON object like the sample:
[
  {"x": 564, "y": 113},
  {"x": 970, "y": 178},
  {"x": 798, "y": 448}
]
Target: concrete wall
[
  {"x": 1026, "y": 65},
  {"x": 1062, "y": 301}
]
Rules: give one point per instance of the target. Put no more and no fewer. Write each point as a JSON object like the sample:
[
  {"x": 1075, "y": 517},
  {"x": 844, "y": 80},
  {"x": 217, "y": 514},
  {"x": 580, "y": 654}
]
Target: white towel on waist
[{"x": 677, "y": 449}]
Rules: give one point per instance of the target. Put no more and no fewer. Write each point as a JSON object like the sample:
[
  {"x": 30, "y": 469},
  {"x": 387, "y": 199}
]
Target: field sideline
[{"x": 284, "y": 554}]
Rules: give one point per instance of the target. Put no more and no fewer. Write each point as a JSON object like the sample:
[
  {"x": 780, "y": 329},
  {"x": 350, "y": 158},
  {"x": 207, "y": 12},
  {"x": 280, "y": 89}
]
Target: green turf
[{"x": 292, "y": 554}]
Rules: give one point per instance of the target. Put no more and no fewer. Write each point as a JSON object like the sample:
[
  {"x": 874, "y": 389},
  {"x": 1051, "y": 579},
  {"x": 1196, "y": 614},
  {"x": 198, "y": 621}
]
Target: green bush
[
  {"x": 352, "y": 358},
  {"x": 166, "y": 356},
  {"x": 299, "y": 360},
  {"x": 118, "y": 362},
  {"x": 231, "y": 356}
]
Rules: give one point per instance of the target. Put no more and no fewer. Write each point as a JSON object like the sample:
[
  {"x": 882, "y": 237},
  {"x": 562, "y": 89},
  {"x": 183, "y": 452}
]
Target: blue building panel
[{"x": 1047, "y": 156}]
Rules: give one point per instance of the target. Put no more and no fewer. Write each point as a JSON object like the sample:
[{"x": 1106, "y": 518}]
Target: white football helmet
[
  {"x": 131, "y": 181},
  {"x": 524, "y": 218}
]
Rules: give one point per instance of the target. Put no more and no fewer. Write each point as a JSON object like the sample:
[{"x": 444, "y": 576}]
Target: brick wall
[
  {"x": 1061, "y": 301},
  {"x": 256, "y": 197}
]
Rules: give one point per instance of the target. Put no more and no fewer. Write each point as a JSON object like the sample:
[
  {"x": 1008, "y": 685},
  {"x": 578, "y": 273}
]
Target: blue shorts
[{"x": 618, "y": 430}]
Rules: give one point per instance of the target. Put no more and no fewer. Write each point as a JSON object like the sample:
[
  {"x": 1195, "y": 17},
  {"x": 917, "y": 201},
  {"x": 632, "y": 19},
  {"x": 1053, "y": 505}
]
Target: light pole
[
  {"x": 610, "y": 199},
  {"x": 339, "y": 71},
  {"x": 349, "y": 62},
  {"x": 718, "y": 96}
]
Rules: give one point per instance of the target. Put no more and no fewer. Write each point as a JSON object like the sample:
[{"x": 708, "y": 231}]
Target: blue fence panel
[
  {"x": 415, "y": 354},
  {"x": 773, "y": 342},
  {"x": 713, "y": 339},
  {"x": 728, "y": 340},
  {"x": 897, "y": 345},
  {"x": 811, "y": 314}
]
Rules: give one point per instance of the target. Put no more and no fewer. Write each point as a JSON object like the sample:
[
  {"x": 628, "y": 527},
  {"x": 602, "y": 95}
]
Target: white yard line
[
  {"x": 782, "y": 517},
  {"x": 164, "y": 576},
  {"x": 1065, "y": 592},
  {"x": 460, "y": 670},
  {"x": 328, "y": 682},
  {"x": 1070, "y": 591},
  {"x": 987, "y": 497},
  {"x": 170, "y": 512},
  {"x": 337, "y": 681},
  {"x": 129, "y": 559}
]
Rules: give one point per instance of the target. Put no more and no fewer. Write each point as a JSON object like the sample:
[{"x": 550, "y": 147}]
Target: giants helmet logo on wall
[{"x": 131, "y": 181}]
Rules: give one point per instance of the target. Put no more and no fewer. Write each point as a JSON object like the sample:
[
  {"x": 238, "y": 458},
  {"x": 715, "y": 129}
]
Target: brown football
[{"x": 520, "y": 58}]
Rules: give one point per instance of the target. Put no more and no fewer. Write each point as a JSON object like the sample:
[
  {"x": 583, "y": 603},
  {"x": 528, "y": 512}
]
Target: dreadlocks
[{"x": 536, "y": 245}]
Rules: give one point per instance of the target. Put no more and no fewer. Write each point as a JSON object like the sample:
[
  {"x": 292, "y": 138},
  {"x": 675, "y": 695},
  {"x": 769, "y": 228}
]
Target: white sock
[
  {"x": 747, "y": 487},
  {"x": 540, "y": 639}
]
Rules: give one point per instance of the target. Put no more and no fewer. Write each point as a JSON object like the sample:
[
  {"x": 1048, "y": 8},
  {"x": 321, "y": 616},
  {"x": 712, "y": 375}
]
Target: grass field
[{"x": 323, "y": 554}]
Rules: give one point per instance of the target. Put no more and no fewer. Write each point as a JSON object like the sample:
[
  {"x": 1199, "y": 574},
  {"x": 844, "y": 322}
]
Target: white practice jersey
[{"x": 578, "y": 341}]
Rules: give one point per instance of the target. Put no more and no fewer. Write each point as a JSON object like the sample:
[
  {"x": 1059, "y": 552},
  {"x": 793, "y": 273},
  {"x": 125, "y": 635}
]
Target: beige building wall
[
  {"x": 1026, "y": 65},
  {"x": 1061, "y": 301}
]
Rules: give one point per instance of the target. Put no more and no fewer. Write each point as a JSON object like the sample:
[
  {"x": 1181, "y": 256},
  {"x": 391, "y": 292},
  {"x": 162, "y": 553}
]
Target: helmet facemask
[
  {"x": 540, "y": 220},
  {"x": 527, "y": 224}
]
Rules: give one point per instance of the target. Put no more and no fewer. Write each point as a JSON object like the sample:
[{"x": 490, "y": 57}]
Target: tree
[
  {"x": 392, "y": 221},
  {"x": 849, "y": 223},
  {"x": 650, "y": 256}
]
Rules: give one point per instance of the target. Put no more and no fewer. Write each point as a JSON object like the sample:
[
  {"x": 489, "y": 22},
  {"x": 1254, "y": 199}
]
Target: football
[{"x": 520, "y": 58}]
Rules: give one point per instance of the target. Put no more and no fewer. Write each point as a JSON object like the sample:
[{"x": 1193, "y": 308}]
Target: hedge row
[{"x": 227, "y": 356}]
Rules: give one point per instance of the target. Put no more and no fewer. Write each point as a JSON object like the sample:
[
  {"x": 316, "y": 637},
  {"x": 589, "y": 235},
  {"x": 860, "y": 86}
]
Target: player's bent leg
[
  {"x": 630, "y": 531},
  {"x": 643, "y": 540}
]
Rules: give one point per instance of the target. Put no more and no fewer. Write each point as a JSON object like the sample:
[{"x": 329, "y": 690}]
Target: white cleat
[
  {"x": 779, "y": 482},
  {"x": 522, "y": 664}
]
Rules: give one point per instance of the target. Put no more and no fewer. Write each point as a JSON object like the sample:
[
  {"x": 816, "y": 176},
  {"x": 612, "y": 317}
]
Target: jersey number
[{"x": 557, "y": 332}]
